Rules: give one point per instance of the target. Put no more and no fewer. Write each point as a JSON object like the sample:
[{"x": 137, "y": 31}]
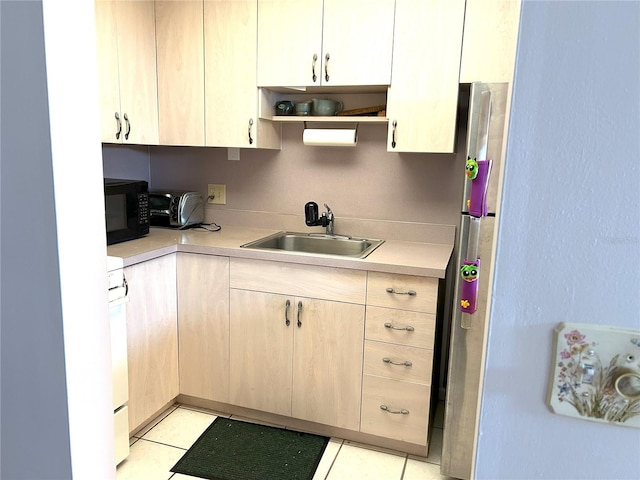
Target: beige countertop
[{"x": 393, "y": 256}]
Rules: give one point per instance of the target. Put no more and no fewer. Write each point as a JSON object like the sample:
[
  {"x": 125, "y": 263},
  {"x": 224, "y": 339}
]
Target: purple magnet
[
  {"x": 479, "y": 186},
  {"x": 469, "y": 272}
]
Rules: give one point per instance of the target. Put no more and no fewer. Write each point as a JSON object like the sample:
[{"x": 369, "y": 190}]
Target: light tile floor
[{"x": 158, "y": 447}]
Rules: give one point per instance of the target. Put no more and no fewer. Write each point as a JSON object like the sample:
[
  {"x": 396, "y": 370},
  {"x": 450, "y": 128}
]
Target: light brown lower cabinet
[
  {"x": 152, "y": 338},
  {"x": 399, "y": 337},
  {"x": 292, "y": 354},
  {"x": 341, "y": 348},
  {"x": 261, "y": 352},
  {"x": 298, "y": 357},
  {"x": 203, "y": 325}
]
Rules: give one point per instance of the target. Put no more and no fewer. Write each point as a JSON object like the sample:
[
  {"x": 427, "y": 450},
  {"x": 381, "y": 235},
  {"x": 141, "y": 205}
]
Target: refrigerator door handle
[
  {"x": 484, "y": 116},
  {"x": 473, "y": 240},
  {"x": 469, "y": 274},
  {"x": 478, "y": 138}
]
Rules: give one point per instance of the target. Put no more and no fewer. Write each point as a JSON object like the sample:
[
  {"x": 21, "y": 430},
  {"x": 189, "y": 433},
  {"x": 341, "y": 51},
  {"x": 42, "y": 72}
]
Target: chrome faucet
[
  {"x": 328, "y": 215},
  {"x": 312, "y": 220}
]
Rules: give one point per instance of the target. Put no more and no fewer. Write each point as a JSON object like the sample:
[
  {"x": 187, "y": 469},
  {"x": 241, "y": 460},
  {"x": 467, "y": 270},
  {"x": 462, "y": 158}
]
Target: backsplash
[
  {"x": 365, "y": 182},
  {"x": 131, "y": 161}
]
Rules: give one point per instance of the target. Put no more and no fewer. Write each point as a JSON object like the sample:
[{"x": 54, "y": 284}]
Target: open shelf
[
  {"x": 351, "y": 100},
  {"x": 334, "y": 119}
]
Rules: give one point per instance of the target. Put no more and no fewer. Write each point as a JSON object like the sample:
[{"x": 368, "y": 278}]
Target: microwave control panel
[{"x": 143, "y": 208}]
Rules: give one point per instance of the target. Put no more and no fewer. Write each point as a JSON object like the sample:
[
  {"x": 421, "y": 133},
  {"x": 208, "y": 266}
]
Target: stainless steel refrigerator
[{"x": 469, "y": 324}]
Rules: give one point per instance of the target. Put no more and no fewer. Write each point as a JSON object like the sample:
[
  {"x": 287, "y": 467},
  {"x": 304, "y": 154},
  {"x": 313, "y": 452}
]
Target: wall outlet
[{"x": 217, "y": 193}]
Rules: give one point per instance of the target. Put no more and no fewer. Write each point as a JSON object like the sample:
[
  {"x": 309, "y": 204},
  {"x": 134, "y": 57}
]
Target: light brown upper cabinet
[
  {"x": 423, "y": 97},
  {"x": 180, "y": 47},
  {"x": 325, "y": 43},
  {"x": 126, "y": 43},
  {"x": 490, "y": 40},
  {"x": 231, "y": 101}
]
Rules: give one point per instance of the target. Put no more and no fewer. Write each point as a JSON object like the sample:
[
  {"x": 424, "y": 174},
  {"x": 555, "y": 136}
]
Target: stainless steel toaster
[{"x": 175, "y": 209}]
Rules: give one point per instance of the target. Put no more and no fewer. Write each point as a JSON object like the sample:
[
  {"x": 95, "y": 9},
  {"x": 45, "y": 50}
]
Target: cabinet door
[
  {"x": 180, "y": 52},
  {"x": 137, "y": 67},
  {"x": 423, "y": 97},
  {"x": 490, "y": 40},
  {"x": 327, "y": 362},
  {"x": 203, "y": 326},
  {"x": 231, "y": 101},
  {"x": 357, "y": 39},
  {"x": 261, "y": 345},
  {"x": 152, "y": 338},
  {"x": 108, "y": 80},
  {"x": 289, "y": 35}
]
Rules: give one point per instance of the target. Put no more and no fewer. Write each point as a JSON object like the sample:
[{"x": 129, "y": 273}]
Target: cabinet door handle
[
  {"x": 410, "y": 292},
  {"x": 393, "y": 134},
  {"x": 406, "y": 363},
  {"x": 299, "y": 311},
  {"x": 404, "y": 411},
  {"x": 126, "y": 119},
  {"x": 249, "y": 131},
  {"x": 119, "y": 126},
  {"x": 326, "y": 66},
  {"x": 408, "y": 328},
  {"x": 313, "y": 68},
  {"x": 286, "y": 313}
]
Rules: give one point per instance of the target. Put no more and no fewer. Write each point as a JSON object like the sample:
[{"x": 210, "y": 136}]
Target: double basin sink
[{"x": 317, "y": 243}]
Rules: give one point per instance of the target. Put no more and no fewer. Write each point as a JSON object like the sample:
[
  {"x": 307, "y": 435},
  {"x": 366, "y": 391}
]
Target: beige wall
[{"x": 361, "y": 182}]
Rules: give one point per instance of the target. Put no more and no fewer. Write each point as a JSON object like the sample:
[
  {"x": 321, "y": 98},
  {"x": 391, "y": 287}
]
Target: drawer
[
  {"x": 325, "y": 283},
  {"x": 420, "y": 362},
  {"x": 396, "y": 396},
  {"x": 400, "y": 326},
  {"x": 404, "y": 292},
  {"x": 121, "y": 434}
]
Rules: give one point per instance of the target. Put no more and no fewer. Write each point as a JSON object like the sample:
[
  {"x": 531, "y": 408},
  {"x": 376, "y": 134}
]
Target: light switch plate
[{"x": 595, "y": 374}]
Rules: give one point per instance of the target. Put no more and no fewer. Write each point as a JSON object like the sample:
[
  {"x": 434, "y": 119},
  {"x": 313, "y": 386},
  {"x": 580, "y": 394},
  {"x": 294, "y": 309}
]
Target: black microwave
[{"x": 126, "y": 206}]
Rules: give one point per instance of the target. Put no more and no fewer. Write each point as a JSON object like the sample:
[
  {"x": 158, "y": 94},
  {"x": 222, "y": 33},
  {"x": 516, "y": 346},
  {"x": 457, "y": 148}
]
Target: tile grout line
[
  {"x": 404, "y": 467},
  {"x": 151, "y": 425},
  {"x": 164, "y": 444},
  {"x": 334, "y": 460}
]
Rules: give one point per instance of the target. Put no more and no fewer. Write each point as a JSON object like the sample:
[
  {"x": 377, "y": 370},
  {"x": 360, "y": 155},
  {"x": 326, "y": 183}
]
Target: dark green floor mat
[{"x": 235, "y": 450}]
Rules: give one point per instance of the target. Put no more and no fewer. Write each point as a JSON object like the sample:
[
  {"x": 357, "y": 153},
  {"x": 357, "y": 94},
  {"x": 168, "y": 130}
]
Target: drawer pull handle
[
  {"x": 404, "y": 411},
  {"x": 408, "y": 328},
  {"x": 410, "y": 292},
  {"x": 287, "y": 305},
  {"x": 299, "y": 311},
  {"x": 406, "y": 363}
]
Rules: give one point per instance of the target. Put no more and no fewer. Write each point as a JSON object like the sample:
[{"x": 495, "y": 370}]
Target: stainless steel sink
[{"x": 317, "y": 243}]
